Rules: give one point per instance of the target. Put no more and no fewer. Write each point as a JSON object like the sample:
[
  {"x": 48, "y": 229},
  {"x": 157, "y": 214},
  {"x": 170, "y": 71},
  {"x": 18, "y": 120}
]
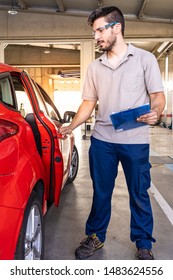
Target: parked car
[{"x": 35, "y": 163}]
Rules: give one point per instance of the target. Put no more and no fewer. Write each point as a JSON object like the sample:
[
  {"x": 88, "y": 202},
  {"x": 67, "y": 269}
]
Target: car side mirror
[{"x": 68, "y": 116}]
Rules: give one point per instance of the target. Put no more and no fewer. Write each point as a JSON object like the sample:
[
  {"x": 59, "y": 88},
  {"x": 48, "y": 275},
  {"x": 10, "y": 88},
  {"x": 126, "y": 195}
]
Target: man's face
[{"x": 104, "y": 34}]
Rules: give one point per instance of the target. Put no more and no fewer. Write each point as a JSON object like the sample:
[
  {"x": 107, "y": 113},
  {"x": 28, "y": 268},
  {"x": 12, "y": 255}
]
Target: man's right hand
[{"x": 66, "y": 129}]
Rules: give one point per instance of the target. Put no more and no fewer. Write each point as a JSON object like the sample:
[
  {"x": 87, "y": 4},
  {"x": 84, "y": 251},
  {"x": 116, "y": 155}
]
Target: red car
[{"x": 35, "y": 163}]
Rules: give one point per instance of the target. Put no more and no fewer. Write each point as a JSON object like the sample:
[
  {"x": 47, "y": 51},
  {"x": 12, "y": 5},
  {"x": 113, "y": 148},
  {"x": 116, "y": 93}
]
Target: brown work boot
[
  {"x": 144, "y": 254},
  {"x": 88, "y": 246}
]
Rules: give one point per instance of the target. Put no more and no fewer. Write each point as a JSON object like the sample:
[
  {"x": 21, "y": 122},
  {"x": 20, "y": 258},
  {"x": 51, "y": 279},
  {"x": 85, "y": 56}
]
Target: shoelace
[{"x": 88, "y": 241}]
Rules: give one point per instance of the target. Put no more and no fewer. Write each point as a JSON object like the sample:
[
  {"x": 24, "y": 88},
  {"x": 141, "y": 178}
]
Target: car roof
[{"x": 8, "y": 68}]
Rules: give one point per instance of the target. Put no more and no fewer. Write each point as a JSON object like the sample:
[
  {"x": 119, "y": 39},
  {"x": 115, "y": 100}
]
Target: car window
[
  {"x": 23, "y": 101},
  {"x": 53, "y": 112},
  {"x": 39, "y": 98},
  {"x": 45, "y": 103},
  {"x": 6, "y": 94}
]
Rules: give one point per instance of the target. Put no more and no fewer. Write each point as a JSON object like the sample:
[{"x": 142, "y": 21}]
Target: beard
[{"x": 109, "y": 45}]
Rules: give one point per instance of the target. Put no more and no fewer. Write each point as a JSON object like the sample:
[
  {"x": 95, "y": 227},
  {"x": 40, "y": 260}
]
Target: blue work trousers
[{"x": 104, "y": 158}]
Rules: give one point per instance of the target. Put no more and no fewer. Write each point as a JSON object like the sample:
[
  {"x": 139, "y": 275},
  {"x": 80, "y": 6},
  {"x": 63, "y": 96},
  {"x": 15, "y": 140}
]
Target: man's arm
[
  {"x": 157, "y": 103},
  {"x": 83, "y": 113}
]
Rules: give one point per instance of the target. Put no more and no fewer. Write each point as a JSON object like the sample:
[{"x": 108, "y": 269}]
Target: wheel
[
  {"x": 74, "y": 166},
  {"x": 30, "y": 244}
]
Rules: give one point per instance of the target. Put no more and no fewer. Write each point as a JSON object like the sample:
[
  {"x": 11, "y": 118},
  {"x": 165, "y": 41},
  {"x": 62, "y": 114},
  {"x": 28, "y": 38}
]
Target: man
[{"x": 124, "y": 76}]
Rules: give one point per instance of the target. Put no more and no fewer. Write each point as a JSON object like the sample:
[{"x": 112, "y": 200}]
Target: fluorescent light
[
  {"x": 47, "y": 51},
  {"x": 12, "y": 11},
  {"x": 162, "y": 46}
]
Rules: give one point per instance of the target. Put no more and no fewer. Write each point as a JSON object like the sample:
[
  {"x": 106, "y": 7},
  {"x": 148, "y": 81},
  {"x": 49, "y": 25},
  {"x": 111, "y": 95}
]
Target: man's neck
[{"x": 117, "y": 53}]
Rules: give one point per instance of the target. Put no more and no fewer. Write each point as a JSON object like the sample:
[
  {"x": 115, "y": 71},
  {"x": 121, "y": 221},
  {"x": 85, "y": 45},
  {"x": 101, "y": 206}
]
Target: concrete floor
[{"x": 65, "y": 225}]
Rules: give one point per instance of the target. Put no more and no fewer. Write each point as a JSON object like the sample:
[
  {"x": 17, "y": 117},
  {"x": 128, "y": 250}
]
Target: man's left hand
[{"x": 150, "y": 118}]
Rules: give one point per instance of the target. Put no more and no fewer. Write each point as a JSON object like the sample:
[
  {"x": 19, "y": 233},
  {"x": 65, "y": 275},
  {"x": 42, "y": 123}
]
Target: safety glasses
[{"x": 100, "y": 29}]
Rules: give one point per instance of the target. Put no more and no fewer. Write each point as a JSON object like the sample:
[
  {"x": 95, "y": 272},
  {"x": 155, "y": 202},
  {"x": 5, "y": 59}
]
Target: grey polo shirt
[{"x": 128, "y": 85}]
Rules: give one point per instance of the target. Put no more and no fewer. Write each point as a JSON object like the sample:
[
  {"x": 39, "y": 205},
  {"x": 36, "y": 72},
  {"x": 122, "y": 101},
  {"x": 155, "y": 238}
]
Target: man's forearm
[
  {"x": 157, "y": 102},
  {"x": 84, "y": 112}
]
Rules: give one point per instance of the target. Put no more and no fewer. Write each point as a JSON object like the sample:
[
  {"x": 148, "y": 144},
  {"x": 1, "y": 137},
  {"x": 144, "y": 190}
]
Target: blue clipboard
[{"x": 126, "y": 119}]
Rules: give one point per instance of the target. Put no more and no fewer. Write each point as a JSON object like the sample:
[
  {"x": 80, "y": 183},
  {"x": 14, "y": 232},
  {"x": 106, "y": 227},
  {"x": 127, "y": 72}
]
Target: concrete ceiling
[
  {"x": 149, "y": 23},
  {"x": 141, "y": 9}
]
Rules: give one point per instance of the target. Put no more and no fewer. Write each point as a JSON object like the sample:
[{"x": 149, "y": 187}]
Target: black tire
[
  {"x": 73, "y": 166},
  {"x": 30, "y": 244}
]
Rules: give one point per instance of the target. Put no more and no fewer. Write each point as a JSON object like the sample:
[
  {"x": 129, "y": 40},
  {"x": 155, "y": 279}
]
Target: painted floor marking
[{"x": 162, "y": 202}]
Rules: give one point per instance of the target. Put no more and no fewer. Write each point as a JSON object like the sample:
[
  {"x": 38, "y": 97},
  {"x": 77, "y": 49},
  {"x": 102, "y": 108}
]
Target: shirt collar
[{"x": 130, "y": 51}]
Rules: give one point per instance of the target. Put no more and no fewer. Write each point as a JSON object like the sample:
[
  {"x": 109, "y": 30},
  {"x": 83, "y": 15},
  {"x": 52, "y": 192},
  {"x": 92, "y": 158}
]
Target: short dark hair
[{"x": 111, "y": 13}]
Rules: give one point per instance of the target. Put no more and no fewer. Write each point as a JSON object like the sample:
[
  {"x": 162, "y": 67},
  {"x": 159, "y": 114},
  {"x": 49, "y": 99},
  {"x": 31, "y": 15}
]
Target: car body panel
[
  {"x": 9, "y": 232},
  {"x": 36, "y": 155}
]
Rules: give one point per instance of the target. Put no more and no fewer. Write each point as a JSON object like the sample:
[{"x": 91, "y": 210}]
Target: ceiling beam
[
  {"x": 143, "y": 8},
  {"x": 165, "y": 51},
  {"x": 60, "y": 5},
  {"x": 22, "y": 4},
  {"x": 79, "y": 13},
  {"x": 100, "y": 3}
]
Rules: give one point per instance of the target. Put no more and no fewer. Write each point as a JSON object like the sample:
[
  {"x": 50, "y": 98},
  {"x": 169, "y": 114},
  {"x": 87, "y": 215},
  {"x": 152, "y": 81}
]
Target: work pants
[{"x": 104, "y": 159}]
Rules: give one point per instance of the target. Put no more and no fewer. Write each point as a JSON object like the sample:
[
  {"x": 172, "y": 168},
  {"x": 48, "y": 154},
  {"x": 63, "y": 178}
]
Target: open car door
[{"x": 40, "y": 113}]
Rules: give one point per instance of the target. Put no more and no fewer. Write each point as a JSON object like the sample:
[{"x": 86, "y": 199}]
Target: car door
[
  {"x": 65, "y": 143},
  {"x": 55, "y": 152}
]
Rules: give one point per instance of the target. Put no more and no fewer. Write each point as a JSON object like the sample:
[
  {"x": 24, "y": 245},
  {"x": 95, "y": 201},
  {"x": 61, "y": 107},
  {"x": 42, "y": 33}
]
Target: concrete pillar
[
  {"x": 87, "y": 55},
  {"x": 1, "y": 52},
  {"x": 172, "y": 113},
  {"x": 166, "y": 90}
]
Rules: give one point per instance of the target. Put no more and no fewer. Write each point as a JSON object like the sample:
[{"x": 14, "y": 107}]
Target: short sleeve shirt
[{"x": 128, "y": 85}]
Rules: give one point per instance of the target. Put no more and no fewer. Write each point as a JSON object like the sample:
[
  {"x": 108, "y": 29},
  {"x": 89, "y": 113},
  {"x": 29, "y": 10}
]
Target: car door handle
[{"x": 61, "y": 136}]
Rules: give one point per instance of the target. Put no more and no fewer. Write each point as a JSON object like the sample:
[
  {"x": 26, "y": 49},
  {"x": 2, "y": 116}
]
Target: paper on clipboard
[{"x": 126, "y": 119}]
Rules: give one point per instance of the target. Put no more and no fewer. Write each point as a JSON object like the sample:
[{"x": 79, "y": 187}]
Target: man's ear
[{"x": 118, "y": 27}]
